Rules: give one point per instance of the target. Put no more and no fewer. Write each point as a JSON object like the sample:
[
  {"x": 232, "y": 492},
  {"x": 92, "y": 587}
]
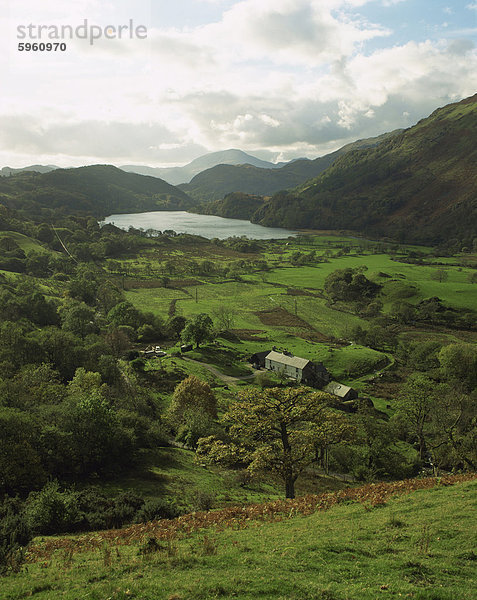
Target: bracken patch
[{"x": 239, "y": 517}]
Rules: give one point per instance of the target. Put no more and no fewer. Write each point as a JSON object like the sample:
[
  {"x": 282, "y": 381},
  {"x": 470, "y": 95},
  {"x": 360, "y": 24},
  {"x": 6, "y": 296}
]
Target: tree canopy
[{"x": 276, "y": 429}]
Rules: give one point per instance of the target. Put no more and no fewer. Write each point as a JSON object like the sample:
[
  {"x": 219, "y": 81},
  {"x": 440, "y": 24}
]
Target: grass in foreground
[{"x": 419, "y": 545}]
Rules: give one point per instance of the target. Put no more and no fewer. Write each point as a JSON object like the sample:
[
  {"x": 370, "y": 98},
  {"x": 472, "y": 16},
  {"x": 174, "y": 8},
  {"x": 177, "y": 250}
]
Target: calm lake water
[{"x": 204, "y": 225}]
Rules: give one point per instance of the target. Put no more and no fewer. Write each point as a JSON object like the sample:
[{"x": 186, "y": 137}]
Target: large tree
[
  {"x": 349, "y": 285},
  {"x": 192, "y": 394},
  {"x": 193, "y": 410},
  {"x": 459, "y": 364},
  {"x": 276, "y": 429},
  {"x": 418, "y": 399},
  {"x": 198, "y": 330},
  {"x": 454, "y": 430}
]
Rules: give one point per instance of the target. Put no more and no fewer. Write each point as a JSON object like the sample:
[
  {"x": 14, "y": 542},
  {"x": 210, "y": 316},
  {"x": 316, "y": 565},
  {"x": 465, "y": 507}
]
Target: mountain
[
  {"x": 216, "y": 182},
  {"x": 7, "y": 171},
  {"x": 176, "y": 175},
  {"x": 99, "y": 190},
  {"x": 420, "y": 185},
  {"x": 236, "y": 205}
]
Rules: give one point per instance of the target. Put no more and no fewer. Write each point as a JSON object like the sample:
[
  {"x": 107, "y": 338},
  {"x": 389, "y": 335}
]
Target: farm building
[
  {"x": 258, "y": 359},
  {"x": 342, "y": 391},
  {"x": 301, "y": 369}
]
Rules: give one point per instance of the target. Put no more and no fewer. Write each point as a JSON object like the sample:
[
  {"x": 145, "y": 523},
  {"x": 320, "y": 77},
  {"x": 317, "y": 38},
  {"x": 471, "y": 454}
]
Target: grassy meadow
[
  {"x": 417, "y": 545},
  {"x": 285, "y": 306}
]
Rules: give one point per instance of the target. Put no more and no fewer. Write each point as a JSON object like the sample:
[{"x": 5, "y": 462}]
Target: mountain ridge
[
  {"x": 419, "y": 185},
  {"x": 218, "y": 181},
  {"x": 98, "y": 190},
  {"x": 183, "y": 174}
]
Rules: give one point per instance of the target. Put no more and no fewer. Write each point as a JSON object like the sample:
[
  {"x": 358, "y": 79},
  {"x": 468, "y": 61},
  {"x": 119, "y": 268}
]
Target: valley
[{"x": 159, "y": 366}]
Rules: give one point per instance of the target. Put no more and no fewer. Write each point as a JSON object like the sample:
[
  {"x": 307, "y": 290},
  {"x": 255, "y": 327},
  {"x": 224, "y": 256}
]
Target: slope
[
  {"x": 216, "y": 182},
  {"x": 420, "y": 185},
  {"x": 370, "y": 545},
  {"x": 98, "y": 190}
]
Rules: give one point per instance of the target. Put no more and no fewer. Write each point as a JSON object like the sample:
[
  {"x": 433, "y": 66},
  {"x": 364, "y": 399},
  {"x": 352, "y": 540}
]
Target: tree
[
  {"x": 225, "y": 316},
  {"x": 79, "y": 319},
  {"x": 418, "y": 399},
  {"x": 118, "y": 341},
  {"x": 193, "y": 411},
  {"x": 31, "y": 387},
  {"x": 40, "y": 310},
  {"x": 192, "y": 394},
  {"x": 454, "y": 430},
  {"x": 198, "y": 330},
  {"x": 439, "y": 275},
  {"x": 459, "y": 364},
  {"x": 37, "y": 264},
  {"x": 125, "y": 313},
  {"x": 335, "y": 429},
  {"x": 100, "y": 444},
  {"x": 62, "y": 349},
  {"x": 350, "y": 285},
  {"x": 20, "y": 464},
  {"x": 108, "y": 295},
  {"x": 276, "y": 429},
  {"x": 177, "y": 324}
]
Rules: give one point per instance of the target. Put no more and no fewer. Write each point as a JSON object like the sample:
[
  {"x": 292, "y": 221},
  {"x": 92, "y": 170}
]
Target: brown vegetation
[{"x": 239, "y": 517}]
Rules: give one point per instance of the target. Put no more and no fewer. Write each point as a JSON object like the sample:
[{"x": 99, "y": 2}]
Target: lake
[{"x": 204, "y": 225}]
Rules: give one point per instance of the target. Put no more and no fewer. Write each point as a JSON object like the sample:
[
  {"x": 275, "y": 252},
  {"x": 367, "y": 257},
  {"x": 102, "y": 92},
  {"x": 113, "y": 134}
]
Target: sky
[{"x": 280, "y": 79}]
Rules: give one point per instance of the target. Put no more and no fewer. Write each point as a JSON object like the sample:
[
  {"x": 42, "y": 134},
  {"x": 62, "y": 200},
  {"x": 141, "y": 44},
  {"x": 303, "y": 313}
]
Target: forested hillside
[
  {"x": 419, "y": 185},
  {"x": 215, "y": 183},
  {"x": 98, "y": 190}
]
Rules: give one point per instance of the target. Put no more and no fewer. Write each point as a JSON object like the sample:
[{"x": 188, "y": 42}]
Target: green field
[
  {"x": 26, "y": 243},
  {"x": 456, "y": 290},
  {"x": 173, "y": 473},
  {"x": 286, "y": 307},
  {"x": 420, "y": 545}
]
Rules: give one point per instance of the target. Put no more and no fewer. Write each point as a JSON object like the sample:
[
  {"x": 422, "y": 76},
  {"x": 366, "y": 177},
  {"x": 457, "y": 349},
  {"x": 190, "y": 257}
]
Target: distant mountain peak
[{"x": 184, "y": 174}]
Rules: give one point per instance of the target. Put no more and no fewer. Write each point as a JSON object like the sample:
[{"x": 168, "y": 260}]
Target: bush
[
  {"x": 201, "y": 500},
  {"x": 52, "y": 510},
  {"x": 159, "y": 508},
  {"x": 99, "y": 511},
  {"x": 14, "y": 535}
]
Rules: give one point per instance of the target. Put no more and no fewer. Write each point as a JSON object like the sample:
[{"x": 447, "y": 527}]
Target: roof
[
  {"x": 261, "y": 355},
  {"x": 291, "y": 361},
  {"x": 337, "y": 389}
]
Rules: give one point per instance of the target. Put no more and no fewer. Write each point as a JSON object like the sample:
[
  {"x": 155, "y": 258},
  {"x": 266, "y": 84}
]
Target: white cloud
[{"x": 292, "y": 76}]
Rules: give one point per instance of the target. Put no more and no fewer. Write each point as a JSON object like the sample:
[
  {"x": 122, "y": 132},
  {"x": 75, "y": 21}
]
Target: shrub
[
  {"x": 202, "y": 500},
  {"x": 14, "y": 535},
  {"x": 99, "y": 511},
  {"x": 159, "y": 508},
  {"x": 52, "y": 510}
]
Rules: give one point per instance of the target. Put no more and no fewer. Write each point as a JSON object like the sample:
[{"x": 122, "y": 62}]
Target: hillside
[
  {"x": 176, "y": 175},
  {"x": 235, "y": 205},
  {"x": 420, "y": 185},
  {"x": 7, "y": 171},
  {"x": 358, "y": 544},
  {"x": 99, "y": 190},
  {"x": 214, "y": 183}
]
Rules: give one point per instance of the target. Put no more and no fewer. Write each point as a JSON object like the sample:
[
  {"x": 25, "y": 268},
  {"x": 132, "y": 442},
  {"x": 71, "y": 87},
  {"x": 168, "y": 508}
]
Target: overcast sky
[{"x": 277, "y": 78}]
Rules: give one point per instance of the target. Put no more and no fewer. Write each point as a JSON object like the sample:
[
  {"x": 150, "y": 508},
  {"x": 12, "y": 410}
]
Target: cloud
[
  {"x": 124, "y": 142},
  {"x": 294, "y": 77},
  {"x": 284, "y": 32}
]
